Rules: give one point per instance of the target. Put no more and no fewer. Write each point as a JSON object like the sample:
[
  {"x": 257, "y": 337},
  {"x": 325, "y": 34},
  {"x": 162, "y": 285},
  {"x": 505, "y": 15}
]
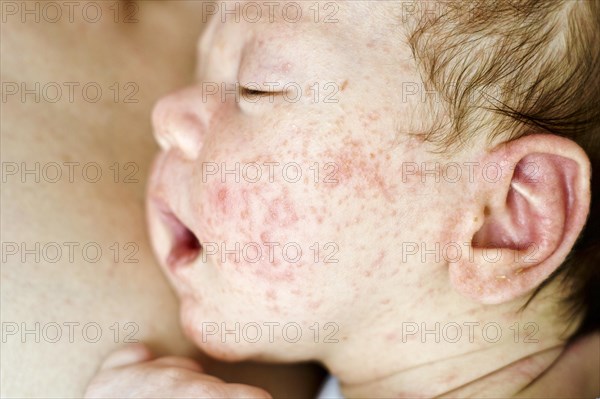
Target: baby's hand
[{"x": 132, "y": 373}]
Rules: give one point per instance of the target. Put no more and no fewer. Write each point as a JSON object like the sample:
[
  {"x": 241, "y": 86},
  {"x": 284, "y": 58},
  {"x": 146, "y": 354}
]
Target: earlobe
[{"x": 531, "y": 218}]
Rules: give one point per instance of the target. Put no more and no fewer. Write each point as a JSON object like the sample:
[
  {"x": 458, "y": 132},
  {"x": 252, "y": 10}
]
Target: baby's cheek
[{"x": 261, "y": 229}]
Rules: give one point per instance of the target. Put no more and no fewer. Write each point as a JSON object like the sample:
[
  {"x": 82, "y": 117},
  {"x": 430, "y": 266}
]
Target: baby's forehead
[
  {"x": 357, "y": 42},
  {"x": 304, "y": 20}
]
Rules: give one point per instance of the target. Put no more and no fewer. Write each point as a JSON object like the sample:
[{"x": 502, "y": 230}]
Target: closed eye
[{"x": 250, "y": 92}]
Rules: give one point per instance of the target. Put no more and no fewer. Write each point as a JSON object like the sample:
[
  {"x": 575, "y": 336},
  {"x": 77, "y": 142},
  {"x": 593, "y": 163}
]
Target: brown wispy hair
[{"x": 522, "y": 67}]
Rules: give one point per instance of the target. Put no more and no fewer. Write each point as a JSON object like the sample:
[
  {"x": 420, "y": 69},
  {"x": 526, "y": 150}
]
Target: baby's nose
[{"x": 180, "y": 121}]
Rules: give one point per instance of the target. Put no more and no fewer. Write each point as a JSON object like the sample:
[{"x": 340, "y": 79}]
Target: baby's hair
[{"x": 520, "y": 67}]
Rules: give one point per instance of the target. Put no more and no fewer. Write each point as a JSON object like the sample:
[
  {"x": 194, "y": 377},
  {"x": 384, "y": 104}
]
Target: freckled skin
[
  {"x": 357, "y": 207},
  {"x": 349, "y": 152},
  {"x": 354, "y": 199}
]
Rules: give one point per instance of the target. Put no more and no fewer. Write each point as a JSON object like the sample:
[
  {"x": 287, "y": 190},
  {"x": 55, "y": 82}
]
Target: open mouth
[{"x": 185, "y": 246}]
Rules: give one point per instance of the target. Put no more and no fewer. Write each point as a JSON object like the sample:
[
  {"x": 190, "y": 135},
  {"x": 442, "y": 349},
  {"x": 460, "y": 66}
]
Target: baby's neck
[
  {"x": 488, "y": 372},
  {"x": 374, "y": 363}
]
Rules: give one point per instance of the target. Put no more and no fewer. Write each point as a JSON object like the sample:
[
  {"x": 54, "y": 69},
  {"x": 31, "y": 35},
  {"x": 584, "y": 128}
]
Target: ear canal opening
[{"x": 515, "y": 223}]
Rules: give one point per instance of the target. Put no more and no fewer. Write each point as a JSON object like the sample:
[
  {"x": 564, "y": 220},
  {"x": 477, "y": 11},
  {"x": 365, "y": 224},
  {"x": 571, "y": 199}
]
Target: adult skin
[{"x": 76, "y": 294}]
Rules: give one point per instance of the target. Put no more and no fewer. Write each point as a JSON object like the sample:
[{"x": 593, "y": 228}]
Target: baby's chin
[
  {"x": 213, "y": 345},
  {"x": 226, "y": 347},
  {"x": 226, "y": 350}
]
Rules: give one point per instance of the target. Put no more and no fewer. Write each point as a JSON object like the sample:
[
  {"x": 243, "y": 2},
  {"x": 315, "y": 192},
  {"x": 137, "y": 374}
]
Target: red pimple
[
  {"x": 374, "y": 115},
  {"x": 282, "y": 211},
  {"x": 314, "y": 305},
  {"x": 220, "y": 200},
  {"x": 271, "y": 294},
  {"x": 286, "y": 67},
  {"x": 377, "y": 263},
  {"x": 380, "y": 183},
  {"x": 265, "y": 237}
]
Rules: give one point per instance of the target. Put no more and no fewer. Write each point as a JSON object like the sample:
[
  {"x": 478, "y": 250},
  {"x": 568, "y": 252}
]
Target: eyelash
[{"x": 245, "y": 91}]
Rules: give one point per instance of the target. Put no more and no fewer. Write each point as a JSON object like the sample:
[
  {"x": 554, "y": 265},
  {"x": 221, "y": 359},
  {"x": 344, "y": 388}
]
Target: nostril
[
  {"x": 188, "y": 131},
  {"x": 180, "y": 120},
  {"x": 184, "y": 131},
  {"x": 162, "y": 140}
]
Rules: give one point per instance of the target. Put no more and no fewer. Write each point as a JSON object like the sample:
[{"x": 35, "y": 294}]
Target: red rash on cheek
[
  {"x": 275, "y": 204},
  {"x": 282, "y": 211},
  {"x": 265, "y": 236},
  {"x": 363, "y": 170},
  {"x": 253, "y": 214},
  {"x": 221, "y": 199}
]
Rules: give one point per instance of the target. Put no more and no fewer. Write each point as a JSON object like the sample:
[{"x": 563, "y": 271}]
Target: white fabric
[{"x": 331, "y": 389}]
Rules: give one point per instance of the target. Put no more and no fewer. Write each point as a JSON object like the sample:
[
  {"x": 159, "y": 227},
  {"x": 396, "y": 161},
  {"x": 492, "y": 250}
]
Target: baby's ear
[{"x": 529, "y": 217}]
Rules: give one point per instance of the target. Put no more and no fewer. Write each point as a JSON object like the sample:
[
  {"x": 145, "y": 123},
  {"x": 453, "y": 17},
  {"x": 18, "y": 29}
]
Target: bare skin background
[{"x": 121, "y": 294}]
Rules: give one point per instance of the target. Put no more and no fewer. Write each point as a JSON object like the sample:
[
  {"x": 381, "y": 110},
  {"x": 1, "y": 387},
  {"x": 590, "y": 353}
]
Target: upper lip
[{"x": 185, "y": 246}]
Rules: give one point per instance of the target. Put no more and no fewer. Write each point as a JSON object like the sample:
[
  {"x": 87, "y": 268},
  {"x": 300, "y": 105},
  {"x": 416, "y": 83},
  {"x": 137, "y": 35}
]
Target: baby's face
[{"x": 303, "y": 202}]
